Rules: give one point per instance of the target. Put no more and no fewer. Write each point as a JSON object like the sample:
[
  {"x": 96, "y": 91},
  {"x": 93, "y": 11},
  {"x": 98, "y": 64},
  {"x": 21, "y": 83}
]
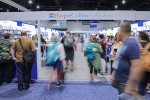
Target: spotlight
[
  {"x": 30, "y": 1},
  {"x": 116, "y": 6},
  {"x": 123, "y": 1},
  {"x": 37, "y": 6}
]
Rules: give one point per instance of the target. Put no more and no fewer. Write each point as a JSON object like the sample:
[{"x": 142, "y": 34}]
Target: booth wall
[{"x": 78, "y": 26}]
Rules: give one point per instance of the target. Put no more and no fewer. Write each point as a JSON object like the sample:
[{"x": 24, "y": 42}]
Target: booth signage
[
  {"x": 76, "y": 15},
  {"x": 81, "y": 15}
]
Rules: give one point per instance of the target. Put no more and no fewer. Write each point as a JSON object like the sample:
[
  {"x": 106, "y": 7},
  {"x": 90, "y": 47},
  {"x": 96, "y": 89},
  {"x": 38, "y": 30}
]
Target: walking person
[
  {"x": 23, "y": 68},
  {"x": 92, "y": 53},
  {"x": 82, "y": 43},
  {"x": 55, "y": 57},
  {"x": 6, "y": 62},
  {"x": 144, "y": 43},
  {"x": 128, "y": 72},
  {"x": 114, "y": 49},
  {"x": 68, "y": 42},
  {"x": 103, "y": 42}
]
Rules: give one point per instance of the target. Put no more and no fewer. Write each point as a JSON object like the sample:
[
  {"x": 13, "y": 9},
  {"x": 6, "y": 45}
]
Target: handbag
[{"x": 28, "y": 55}]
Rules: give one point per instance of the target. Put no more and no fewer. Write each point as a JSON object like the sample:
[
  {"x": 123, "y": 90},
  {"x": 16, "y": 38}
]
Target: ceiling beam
[
  {"x": 57, "y": 2},
  {"x": 137, "y": 5},
  {"x": 11, "y": 3}
]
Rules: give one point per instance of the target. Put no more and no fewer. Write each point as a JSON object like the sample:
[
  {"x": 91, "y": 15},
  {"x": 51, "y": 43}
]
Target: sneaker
[
  {"x": 96, "y": 80},
  {"x": 58, "y": 85}
]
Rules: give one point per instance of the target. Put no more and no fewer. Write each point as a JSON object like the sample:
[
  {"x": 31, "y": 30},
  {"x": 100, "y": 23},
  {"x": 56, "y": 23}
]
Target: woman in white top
[{"x": 60, "y": 62}]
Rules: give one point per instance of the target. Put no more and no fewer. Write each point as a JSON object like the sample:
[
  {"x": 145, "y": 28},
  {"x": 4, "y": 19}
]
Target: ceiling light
[
  {"x": 30, "y": 1},
  {"x": 7, "y": 10},
  {"x": 116, "y": 6},
  {"x": 123, "y": 1},
  {"x": 60, "y": 9},
  {"x": 37, "y": 6},
  {"x": 1, "y": 8}
]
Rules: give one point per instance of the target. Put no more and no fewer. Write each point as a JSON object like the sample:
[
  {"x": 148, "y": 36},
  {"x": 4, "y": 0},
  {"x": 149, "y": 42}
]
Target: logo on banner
[
  {"x": 51, "y": 15},
  {"x": 79, "y": 15}
]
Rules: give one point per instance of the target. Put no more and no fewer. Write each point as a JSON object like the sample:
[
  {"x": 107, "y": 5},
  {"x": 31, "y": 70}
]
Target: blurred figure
[
  {"x": 128, "y": 72},
  {"x": 68, "y": 42},
  {"x": 43, "y": 43},
  {"x": 6, "y": 62},
  {"x": 82, "y": 43},
  {"x": 144, "y": 41},
  {"x": 76, "y": 42},
  {"x": 57, "y": 51},
  {"x": 35, "y": 40},
  {"x": 103, "y": 42},
  {"x": 114, "y": 49},
  {"x": 110, "y": 40},
  {"x": 92, "y": 53},
  {"x": 24, "y": 69}
]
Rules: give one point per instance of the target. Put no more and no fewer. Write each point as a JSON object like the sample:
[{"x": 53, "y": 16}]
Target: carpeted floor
[{"x": 68, "y": 91}]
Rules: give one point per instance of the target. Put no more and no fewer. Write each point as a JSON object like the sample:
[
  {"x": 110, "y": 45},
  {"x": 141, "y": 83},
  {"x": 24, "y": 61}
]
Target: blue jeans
[{"x": 24, "y": 73}]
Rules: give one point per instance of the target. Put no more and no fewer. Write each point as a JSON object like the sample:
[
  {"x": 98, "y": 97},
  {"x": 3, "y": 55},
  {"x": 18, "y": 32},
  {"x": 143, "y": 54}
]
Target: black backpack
[{"x": 28, "y": 55}]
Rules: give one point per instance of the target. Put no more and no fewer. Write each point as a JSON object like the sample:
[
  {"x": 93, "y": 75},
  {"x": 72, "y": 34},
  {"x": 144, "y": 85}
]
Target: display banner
[
  {"x": 93, "y": 26},
  {"x": 76, "y": 15}
]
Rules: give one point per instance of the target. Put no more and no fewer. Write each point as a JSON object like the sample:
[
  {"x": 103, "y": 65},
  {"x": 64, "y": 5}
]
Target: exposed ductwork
[{"x": 11, "y": 3}]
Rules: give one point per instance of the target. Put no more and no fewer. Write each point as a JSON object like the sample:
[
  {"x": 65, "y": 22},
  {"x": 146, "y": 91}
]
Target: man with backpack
[
  {"x": 68, "y": 42},
  {"x": 23, "y": 68}
]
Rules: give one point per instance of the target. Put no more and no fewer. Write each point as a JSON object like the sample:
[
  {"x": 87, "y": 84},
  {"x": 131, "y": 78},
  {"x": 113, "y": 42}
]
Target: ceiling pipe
[{"x": 11, "y": 3}]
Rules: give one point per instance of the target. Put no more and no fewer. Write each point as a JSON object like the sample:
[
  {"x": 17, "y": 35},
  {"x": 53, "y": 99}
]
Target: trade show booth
[{"x": 13, "y": 22}]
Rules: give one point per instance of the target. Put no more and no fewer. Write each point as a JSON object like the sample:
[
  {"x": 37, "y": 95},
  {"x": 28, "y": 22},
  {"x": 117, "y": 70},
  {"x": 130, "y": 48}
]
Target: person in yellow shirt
[{"x": 115, "y": 47}]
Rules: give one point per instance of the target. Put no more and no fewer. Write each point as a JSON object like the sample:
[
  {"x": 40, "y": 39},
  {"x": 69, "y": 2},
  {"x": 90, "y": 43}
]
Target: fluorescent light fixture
[
  {"x": 30, "y": 1},
  {"x": 123, "y": 1},
  {"x": 116, "y": 6},
  {"x": 37, "y": 6}
]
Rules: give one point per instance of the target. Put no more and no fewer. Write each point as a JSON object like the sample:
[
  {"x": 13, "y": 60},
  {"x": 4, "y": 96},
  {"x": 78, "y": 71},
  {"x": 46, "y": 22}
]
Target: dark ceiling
[{"x": 51, "y": 5}]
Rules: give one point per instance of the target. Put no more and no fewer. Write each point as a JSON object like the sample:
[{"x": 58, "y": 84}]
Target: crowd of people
[{"x": 128, "y": 72}]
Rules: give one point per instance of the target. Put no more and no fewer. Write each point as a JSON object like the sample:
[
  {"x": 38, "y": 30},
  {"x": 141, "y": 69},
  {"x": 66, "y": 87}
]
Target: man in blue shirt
[{"x": 127, "y": 63}]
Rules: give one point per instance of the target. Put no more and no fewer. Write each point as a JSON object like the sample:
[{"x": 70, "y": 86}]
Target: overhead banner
[{"x": 76, "y": 15}]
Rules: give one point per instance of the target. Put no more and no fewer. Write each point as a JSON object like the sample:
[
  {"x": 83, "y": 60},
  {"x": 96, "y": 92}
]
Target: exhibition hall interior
[{"x": 75, "y": 49}]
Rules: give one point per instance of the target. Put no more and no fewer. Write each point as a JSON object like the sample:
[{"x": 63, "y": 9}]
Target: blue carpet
[{"x": 68, "y": 91}]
